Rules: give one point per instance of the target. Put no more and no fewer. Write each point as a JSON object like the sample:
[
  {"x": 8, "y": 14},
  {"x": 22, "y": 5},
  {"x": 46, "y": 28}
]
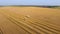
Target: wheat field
[{"x": 29, "y": 20}]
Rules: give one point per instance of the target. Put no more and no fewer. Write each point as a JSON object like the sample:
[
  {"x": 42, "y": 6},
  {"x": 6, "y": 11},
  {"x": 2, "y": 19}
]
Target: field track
[{"x": 29, "y": 20}]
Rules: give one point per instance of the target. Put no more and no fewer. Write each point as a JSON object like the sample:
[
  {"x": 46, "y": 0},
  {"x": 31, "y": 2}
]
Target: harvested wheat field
[{"x": 29, "y": 20}]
